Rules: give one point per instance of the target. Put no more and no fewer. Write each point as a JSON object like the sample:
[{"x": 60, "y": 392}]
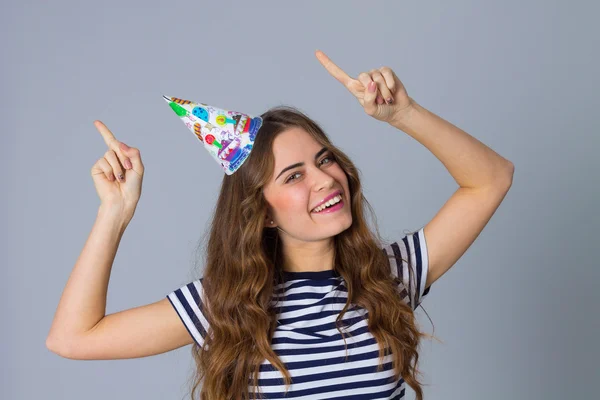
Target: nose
[{"x": 322, "y": 180}]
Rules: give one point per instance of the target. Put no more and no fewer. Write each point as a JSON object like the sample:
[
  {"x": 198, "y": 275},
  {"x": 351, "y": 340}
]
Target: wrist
[
  {"x": 116, "y": 213},
  {"x": 402, "y": 116}
]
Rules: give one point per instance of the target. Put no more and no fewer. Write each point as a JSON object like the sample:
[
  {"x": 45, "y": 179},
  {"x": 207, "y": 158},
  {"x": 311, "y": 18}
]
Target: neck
[{"x": 301, "y": 256}]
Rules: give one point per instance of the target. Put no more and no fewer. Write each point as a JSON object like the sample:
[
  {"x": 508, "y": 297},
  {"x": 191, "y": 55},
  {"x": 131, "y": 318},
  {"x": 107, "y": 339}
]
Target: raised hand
[
  {"x": 380, "y": 92},
  {"x": 119, "y": 161}
]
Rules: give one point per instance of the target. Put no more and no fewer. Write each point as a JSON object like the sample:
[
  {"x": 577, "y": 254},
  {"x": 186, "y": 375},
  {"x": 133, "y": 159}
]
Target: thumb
[
  {"x": 369, "y": 98},
  {"x": 134, "y": 156}
]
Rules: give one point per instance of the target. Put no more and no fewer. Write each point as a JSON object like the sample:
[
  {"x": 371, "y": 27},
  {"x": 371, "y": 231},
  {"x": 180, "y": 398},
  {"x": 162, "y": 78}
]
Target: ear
[
  {"x": 268, "y": 220},
  {"x": 268, "y": 217}
]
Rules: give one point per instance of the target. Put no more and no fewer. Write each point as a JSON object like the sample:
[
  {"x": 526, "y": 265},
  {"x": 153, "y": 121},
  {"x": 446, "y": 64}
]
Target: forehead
[{"x": 294, "y": 145}]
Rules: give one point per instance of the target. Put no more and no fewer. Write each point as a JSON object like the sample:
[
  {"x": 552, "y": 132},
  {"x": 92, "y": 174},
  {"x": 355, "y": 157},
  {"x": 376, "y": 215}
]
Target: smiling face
[{"x": 293, "y": 193}]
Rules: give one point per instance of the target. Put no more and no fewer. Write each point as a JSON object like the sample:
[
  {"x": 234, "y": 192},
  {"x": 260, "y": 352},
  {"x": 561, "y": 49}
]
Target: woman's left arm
[
  {"x": 484, "y": 177},
  {"x": 471, "y": 163}
]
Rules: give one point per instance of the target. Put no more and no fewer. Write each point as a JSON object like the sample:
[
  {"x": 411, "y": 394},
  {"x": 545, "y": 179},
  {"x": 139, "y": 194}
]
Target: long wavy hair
[{"x": 244, "y": 263}]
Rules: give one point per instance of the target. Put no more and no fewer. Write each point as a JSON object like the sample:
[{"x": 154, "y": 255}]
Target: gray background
[{"x": 518, "y": 312}]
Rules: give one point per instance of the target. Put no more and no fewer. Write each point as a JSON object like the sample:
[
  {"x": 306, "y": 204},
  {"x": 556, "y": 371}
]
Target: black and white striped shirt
[{"x": 307, "y": 340}]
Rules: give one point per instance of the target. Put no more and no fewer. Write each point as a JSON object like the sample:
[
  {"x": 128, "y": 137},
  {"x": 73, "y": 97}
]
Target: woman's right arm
[
  {"x": 80, "y": 329},
  {"x": 83, "y": 301}
]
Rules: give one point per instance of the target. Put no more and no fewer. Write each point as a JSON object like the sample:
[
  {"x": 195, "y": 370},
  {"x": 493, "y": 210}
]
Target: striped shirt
[{"x": 307, "y": 340}]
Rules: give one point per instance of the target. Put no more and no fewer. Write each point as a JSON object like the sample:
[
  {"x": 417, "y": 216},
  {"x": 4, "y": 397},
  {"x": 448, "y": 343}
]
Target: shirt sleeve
[
  {"x": 412, "y": 248},
  {"x": 187, "y": 301}
]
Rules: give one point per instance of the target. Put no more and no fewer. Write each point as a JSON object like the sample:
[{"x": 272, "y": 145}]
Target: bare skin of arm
[{"x": 81, "y": 330}]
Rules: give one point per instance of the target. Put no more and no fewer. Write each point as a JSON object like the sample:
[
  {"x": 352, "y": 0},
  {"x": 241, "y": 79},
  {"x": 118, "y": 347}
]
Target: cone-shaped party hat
[{"x": 227, "y": 135}]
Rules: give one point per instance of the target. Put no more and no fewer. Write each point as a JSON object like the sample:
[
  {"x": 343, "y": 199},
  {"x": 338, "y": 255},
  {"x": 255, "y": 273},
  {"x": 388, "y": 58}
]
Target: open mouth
[{"x": 335, "y": 204}]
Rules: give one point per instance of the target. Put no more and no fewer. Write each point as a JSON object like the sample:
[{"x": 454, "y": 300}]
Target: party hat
[{"x": 227, "y": 135}]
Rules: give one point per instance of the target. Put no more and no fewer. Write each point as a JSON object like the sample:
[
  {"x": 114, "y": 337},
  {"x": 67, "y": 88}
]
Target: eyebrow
[{"x": 323, "y": 150}]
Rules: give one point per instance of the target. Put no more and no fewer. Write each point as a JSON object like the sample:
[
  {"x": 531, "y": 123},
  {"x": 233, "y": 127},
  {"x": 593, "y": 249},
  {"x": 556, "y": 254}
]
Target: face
[{"x": 293, "y": 193}]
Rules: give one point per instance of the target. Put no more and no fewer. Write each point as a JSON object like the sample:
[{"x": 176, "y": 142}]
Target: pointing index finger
[
  {"x": 109, "y": 138},
  {"x": 333, "y": 69}
]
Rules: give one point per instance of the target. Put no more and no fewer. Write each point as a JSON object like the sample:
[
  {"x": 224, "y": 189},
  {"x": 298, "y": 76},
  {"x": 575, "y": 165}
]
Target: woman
[{"x": 295, "y": 298}]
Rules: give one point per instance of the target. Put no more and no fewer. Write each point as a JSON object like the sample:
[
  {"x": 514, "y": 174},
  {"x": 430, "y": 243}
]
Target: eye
[
  {"x": 291, "y": 176},
  {"x": 329, "y": 157}
]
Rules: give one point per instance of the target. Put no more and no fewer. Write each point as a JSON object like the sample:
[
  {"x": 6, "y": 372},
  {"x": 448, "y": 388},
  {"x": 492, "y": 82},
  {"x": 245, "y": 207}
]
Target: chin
[{"x": 342, "y": 226}]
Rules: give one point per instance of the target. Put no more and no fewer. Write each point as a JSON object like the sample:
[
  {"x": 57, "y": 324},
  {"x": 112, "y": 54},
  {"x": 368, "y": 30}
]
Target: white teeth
[{"x": 331, "y": 202}]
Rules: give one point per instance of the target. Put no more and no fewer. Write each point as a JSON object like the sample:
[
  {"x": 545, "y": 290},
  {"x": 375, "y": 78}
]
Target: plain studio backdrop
[{"x": 518, "y": 313}]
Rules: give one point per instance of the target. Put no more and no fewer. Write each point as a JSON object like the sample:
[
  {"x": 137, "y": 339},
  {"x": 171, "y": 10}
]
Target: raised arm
[{"x": 80, "y": 329}]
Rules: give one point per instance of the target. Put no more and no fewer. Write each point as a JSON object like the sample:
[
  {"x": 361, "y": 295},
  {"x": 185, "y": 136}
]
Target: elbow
[
  {"x": 511, "y": 173},
  {"x": 511, "y": 169},
  {"x": 505, "y": 179},
  {"x": 54, "y": 346},
  {"x": 59, "y": 347}
]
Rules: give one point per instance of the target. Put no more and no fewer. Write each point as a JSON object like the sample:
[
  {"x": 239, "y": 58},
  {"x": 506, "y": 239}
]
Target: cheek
[
  {"x": 290, "y": 201},
  {"x": 340, "y": 176}
]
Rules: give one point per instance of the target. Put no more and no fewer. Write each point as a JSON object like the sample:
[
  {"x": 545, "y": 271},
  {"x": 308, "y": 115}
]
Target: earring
[{"x": 271, "y": 221}]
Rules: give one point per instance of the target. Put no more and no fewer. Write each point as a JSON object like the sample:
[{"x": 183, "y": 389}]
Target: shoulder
[{"x": 409, "y": 262}]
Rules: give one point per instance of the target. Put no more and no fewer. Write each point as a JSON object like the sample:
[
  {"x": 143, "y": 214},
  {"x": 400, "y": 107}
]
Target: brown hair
[{"x": 244, "y": 263}]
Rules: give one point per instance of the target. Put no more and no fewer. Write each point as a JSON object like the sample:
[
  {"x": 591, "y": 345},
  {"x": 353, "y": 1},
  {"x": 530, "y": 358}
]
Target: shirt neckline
[{"x": 311, "y": 275}]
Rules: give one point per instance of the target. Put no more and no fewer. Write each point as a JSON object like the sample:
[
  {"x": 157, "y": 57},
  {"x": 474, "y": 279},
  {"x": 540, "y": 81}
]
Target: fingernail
[
  {"x": 389, "y": 100},
  {"x": 121, "y": 177},
  {"x": 372, "y": 86},
  {"x": 124, "y": 146},
  {"x": 128, "y": 164}
]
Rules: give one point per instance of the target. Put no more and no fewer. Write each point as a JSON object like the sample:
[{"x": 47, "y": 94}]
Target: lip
[
  {"x": 332, "y": 209},
  {"x": 326, "y": 199}
]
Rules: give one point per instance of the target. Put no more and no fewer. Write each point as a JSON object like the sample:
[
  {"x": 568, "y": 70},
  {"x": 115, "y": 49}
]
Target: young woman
[{"x": 298, "y": 298}]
